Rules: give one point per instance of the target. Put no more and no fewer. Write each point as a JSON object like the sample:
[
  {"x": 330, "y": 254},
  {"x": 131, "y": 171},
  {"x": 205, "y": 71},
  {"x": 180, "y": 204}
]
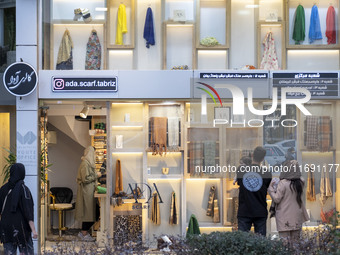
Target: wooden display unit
[
  {"x": 129, "y": 37},
  {"x": 290, "y": 9},
  {"x": 278, "y": 32}
]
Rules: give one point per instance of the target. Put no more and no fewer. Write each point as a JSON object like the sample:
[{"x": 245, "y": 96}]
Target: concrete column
[{"x": 27, "y": 107}]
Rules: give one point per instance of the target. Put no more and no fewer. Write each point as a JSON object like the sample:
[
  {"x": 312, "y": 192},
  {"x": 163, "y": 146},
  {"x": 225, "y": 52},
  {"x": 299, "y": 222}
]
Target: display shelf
[
  {"x": 128, "y": 38},
  {"x": 210, "y": 13},
  {"x": 291, "y": 6},
  {"x": 170, "y": 177},
  {"x": 80, "y": 33},
  {"x": 77, "y": 22},
  {"x": 278, "y": 33},
  {"x": 178, "y": 45}
]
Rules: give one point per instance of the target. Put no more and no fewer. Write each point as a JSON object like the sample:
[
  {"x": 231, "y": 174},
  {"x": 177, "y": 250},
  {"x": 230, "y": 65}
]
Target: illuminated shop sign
[
  {"x": 60, "y": 84},
  {"x": 234, "y": 75},
  {"x": 319, "y": 84}
]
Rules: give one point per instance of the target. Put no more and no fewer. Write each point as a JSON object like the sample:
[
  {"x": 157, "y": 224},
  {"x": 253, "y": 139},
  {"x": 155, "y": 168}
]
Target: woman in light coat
[
  {"x": 290, "y": 210},
  {"x": 85, "y": 202}
]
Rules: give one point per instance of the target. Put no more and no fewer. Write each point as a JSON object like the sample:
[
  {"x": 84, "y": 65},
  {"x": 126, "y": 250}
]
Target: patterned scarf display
[
  {"x": 65, "y": 57},
  {"x": 93, "y": 52},
  {"x": 212, "y": 208},
  {"x": 155, "y": 210},
  {"x": 173, "y": 220},
  {"x": 209, "y": 153},
  {"x": 158, "y": 137},
  {"x": 269, "y": 58},
  {"x": 196, "y": 156},
  {"x": 311, "y": 187},
  {"x": 318, "y": 135},
  {"x": 119, "y": 178},
  {"x": 325, "y": 186},
  {"x": 173, "y": 133}
]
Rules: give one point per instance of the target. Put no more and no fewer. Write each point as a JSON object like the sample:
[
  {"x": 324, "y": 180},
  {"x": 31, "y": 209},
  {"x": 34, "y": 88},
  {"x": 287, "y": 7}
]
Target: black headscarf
[{"x": 15, "y": 182}]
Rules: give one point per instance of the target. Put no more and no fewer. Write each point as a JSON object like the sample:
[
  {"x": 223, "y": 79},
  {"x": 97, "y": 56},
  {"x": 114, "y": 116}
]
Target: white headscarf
[{"x": 89, "y": 156}]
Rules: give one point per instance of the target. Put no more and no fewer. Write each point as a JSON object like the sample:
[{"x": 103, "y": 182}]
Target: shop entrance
[{"x": 66, "y": 133}]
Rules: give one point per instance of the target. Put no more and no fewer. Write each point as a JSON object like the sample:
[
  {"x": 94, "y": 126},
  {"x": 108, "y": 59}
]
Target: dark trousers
[{"x": 244, "y": 224}]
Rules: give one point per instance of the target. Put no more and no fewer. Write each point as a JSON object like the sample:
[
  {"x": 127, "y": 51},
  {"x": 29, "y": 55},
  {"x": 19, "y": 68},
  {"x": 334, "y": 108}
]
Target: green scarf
[
  {"x": 193, "y": 228},
  {"x": 299, "y": 25}
]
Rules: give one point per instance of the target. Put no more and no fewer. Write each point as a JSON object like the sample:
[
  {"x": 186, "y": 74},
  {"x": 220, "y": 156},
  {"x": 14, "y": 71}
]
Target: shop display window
[{"x": 312, "y": 24}]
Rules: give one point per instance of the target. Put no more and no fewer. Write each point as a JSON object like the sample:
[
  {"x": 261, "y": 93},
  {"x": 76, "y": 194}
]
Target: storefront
[{"x": 163, "y": 128}]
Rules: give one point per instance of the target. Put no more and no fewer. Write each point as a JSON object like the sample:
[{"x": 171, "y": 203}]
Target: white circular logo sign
[{"x": 20, "y": 79}]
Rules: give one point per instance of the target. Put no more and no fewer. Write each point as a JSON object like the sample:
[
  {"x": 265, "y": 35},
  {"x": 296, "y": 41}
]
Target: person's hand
[
  {"x": 34, "y": 234},
  {"x": 99, "y": 174}
]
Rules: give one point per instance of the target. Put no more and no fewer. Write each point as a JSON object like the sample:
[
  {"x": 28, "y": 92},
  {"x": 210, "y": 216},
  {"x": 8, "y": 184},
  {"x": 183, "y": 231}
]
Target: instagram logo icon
[{"x": 59, "y": 84}]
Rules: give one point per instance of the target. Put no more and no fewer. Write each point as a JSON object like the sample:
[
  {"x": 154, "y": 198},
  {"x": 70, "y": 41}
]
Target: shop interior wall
[{"x": 65, "y": 157}]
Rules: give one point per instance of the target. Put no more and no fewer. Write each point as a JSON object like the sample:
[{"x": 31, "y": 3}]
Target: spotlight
[{"x": 84, "y": 112}]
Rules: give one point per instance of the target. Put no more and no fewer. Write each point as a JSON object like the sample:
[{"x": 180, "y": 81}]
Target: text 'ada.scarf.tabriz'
[
  {"x": 314, "y": 26},
  {"x": 330, "y": 26},
  {"x": 65, "y": 57},
  {"x": 299, "y": 25},
  {"x": 158, "y": 139},
  {"x": 93, "y": 52},
  {"x": 121, "y": 24}
]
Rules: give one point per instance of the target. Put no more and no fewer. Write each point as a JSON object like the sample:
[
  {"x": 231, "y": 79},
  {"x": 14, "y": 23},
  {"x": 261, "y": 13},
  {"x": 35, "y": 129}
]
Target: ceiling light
[{"x": 84, "y": 112}]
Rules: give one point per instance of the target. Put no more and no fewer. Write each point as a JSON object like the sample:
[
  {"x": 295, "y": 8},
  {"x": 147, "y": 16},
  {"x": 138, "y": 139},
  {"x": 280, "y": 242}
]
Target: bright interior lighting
[
  {"x": 84, "y": 112},
  {"x": 101, "y": 9}
]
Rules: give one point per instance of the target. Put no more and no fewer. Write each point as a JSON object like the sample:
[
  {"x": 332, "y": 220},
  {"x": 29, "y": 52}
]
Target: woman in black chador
[{"x": 16, "y": 205}]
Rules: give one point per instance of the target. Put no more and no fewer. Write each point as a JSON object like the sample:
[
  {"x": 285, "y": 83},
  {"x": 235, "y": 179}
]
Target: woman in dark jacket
[{"x": 16, "y": 205}]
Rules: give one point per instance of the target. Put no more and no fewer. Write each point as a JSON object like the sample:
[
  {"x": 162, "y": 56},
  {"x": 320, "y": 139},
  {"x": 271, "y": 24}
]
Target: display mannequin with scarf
[
  {"x": 16, "y": 203},
  {"x": 86, "y": 203}
]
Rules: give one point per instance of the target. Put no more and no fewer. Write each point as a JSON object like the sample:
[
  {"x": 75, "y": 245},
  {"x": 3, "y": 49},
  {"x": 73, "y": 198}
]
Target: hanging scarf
[
  {"x": 173, "y": 220},
  {"x": 158, "y": 135},
  {"x": 173, "y": 134},
  {"x": 155, "y": 211},
  {"x": 311, "y": 187},
  {"x": 325, "y": 186},
  {"x": 65, "y": 58},
  {"x": 121, "y": 24},
  {"x": 299, "y": 25},
  {"x": 93, "y": 52},
  {"x": 312, "y": 132},
  {"x": 269, "y": 58},
  {"x": 314, "y": 27},
  {"x": 148, "y": 34},
  {"x": 330, "y": 26},
  {"x": 119, "y": 178},
  {"x": 196, "y": 157},
  {"x": 193, "y": 227},
  {"x": 15, "y": 183},
  {"x": 209, "y": 153},
  {"x": 212, "y": 208},
  {"x": 324, "y": 133}
]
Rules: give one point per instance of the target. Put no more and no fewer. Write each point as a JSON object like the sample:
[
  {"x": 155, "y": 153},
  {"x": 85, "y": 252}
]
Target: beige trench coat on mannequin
[
  {"x": 85, "y": 202},
  {"x": 289, "y": 216}
]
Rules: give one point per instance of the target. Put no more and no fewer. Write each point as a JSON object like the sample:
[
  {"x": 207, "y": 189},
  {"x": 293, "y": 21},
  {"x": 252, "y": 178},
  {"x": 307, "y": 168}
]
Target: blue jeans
[
  {"x": 244, "y": 224},
  {"x": 27, "y": 249}
]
